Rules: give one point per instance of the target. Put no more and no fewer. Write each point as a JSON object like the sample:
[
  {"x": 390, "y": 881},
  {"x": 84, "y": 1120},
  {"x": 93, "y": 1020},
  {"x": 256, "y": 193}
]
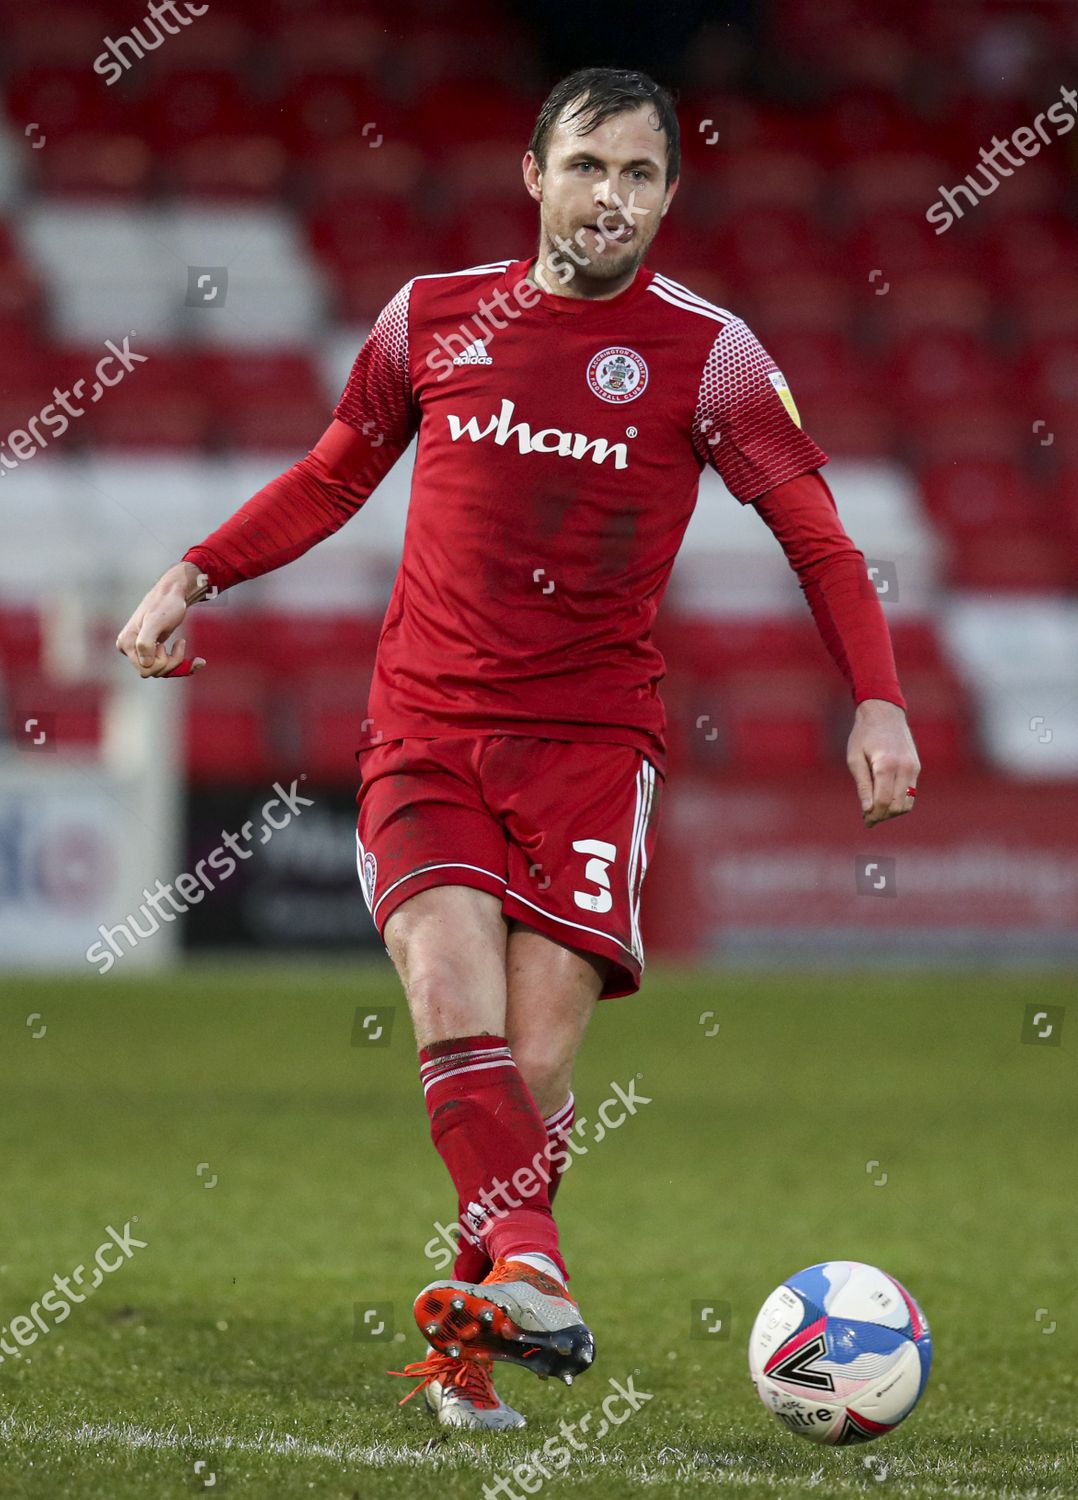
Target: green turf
[{"x": 230, "y": 1338}]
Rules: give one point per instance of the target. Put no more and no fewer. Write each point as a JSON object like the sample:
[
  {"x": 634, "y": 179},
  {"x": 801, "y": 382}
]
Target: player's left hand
[{"x": 883, "y": 760}]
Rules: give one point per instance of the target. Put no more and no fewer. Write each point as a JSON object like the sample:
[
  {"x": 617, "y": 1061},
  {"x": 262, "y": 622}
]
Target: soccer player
[{"x": 512, "y": 759}]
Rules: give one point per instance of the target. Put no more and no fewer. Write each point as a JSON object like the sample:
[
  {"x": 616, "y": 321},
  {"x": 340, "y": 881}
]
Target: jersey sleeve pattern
[
  {"x": 743, "y": 426},
  {"x": 377, "y": 400}
]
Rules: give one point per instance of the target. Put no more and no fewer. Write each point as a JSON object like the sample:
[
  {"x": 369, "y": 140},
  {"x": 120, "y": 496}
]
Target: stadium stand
[{"x": 322, "y": 167}]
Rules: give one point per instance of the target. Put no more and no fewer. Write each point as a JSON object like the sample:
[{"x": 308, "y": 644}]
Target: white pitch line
[
  {"x": 130, "y": 1435},
  {"x": 731, "y": 1468}
]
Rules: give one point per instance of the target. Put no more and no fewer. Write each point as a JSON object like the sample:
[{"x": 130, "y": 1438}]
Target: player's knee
[
  {"x": 546, "y": 1072},
  {"x": 453, "y": 990}
]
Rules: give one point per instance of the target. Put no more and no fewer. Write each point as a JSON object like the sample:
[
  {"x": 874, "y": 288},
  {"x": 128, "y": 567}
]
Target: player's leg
[
  {"x": 580, "y": 820},
  {"x": 433, "y": 862},
  {"x": 551, "y": 992},
  {"x": 449, "y": 946}
]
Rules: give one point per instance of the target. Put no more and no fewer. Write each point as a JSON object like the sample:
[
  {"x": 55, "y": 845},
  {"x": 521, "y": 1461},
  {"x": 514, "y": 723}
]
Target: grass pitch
[{"x": 277, "y": 1160}]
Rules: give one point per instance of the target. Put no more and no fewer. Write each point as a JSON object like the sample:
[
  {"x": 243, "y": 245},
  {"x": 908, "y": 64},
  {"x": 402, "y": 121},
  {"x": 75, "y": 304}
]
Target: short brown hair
[{"x": 600, "y": 93}]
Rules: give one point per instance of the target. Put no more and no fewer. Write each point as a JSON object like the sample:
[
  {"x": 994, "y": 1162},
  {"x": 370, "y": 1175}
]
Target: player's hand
[
  {"x": 142, "y": 640},
  {"x": 883, "y": 760}
]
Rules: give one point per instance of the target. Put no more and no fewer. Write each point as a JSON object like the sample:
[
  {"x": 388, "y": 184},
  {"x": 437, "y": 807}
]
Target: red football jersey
[{"x": 560, "y": 447}]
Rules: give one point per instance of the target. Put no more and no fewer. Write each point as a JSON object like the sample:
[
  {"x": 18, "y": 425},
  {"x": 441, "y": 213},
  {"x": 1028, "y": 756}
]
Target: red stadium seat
[
  {"x": 917, "y": 645},
  {"x": 898, "y": 245},
  {"x": 929, "y": 302},
  {"x": 1050, "y": 372},
  {"x": 1032, "y": 562},
  {"x": 1028, "y": 248},
  {"x": 965, "y": 428},
  {"x": 20, "y": 639},
  {"x": 351, "y": 233},
  {"x": 907, "y": 181},
  {"x": 65, "y": 101},
  {"x": 754, "y": 247},
  {"x": 229, "y": 166},
  {"x": 338, "y": 646},
  {"x": 820, "y": 366},
  {"x": 757, "y": 178},
  {"x": 53, "y": 36},
  {"x": 851, "y": 426},
  {"x": 1045, "y": 307},
  {"x": 226, "y": 733},
  {"x": 928, "y": 370},
  {"x": 978, "y": 496},
  {"x": 198, "y": 106},
  {"x": 802, "y": 302},
  {"x": 265, "y": 400},
  {"x": 212, "y": 40},
  {"x": 355, "y": 47},
  {"x": 865, "y": 123},
  {"x": 98, "y": 163},
  {"x": 337, "y": 171},
  {"x": 71, "y": 713},
  {"x": 709, "y": 649},
  {"x": 940, "y": 719},
  {"x": 775, "y": 721}
]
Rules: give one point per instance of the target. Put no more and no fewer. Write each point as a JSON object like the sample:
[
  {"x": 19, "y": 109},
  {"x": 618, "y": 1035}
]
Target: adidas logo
[{"x": 475, "y": 354}]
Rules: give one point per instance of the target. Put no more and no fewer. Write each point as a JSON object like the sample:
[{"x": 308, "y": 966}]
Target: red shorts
[{"x": 560, "y": 831}]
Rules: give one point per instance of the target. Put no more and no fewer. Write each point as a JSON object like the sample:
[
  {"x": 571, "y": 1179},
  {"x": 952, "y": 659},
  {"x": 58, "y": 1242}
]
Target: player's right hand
[{"x": 142, "y": 640}]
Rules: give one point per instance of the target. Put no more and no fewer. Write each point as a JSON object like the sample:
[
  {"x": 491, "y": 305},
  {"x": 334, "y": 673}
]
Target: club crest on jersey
[
  {"x": 370, "y": 876},
  {"x": 617, "y": 374}
]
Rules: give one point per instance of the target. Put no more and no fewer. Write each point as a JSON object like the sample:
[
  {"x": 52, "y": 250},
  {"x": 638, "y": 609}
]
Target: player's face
[{"x": 602, "y": 195}]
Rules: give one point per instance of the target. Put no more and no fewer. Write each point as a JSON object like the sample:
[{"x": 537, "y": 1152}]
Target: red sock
[
  {"x": 472, "y": 1262},
  {"x": 559, "y": 1127},
  {"x": 486, "y": 1128}
]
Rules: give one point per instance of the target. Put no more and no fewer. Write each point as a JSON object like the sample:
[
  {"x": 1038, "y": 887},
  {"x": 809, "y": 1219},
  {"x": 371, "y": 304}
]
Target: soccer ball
[{"x": 840, "y": 1353}]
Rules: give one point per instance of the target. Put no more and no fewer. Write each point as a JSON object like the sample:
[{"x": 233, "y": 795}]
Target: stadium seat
[
  {"x": 353, "y": 47},
  {"x": 163, "y": 406},
  {"x": 759, "y": 178},
  {"x": 20, "y": 639},
  {"x": 881, "y": 181},
  {"x": 226, "y": 731},
  {"x": 802, "y": 302},
  {"x": 965, "y": 428},
  {"x": 214, "y": 40},
  {"x": 1045, "y": 307},
  {"x": 930, "y": 301},
  {"x": 1032, "y": 562},
  {"x": 66, "y": 100},
  {"x": 99, "y": 165},
  {"x": 773, "y": 722},
  {"x": 72, "y": 714},
  {"x": 233, "y": 166},
  {"x": 265, "y": 400},
  {"x": 336, "y": 171},
  {"x": 711, "y": 648},
  {"x": 850, "y": 426},
  {"x": 996, "y": 497},
  {"x": 52, "y": 36}
]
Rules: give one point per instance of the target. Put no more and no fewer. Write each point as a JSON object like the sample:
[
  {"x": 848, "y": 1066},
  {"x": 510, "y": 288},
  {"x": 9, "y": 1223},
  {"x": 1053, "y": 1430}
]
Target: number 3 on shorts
[{"x": 603, "y": 856}]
